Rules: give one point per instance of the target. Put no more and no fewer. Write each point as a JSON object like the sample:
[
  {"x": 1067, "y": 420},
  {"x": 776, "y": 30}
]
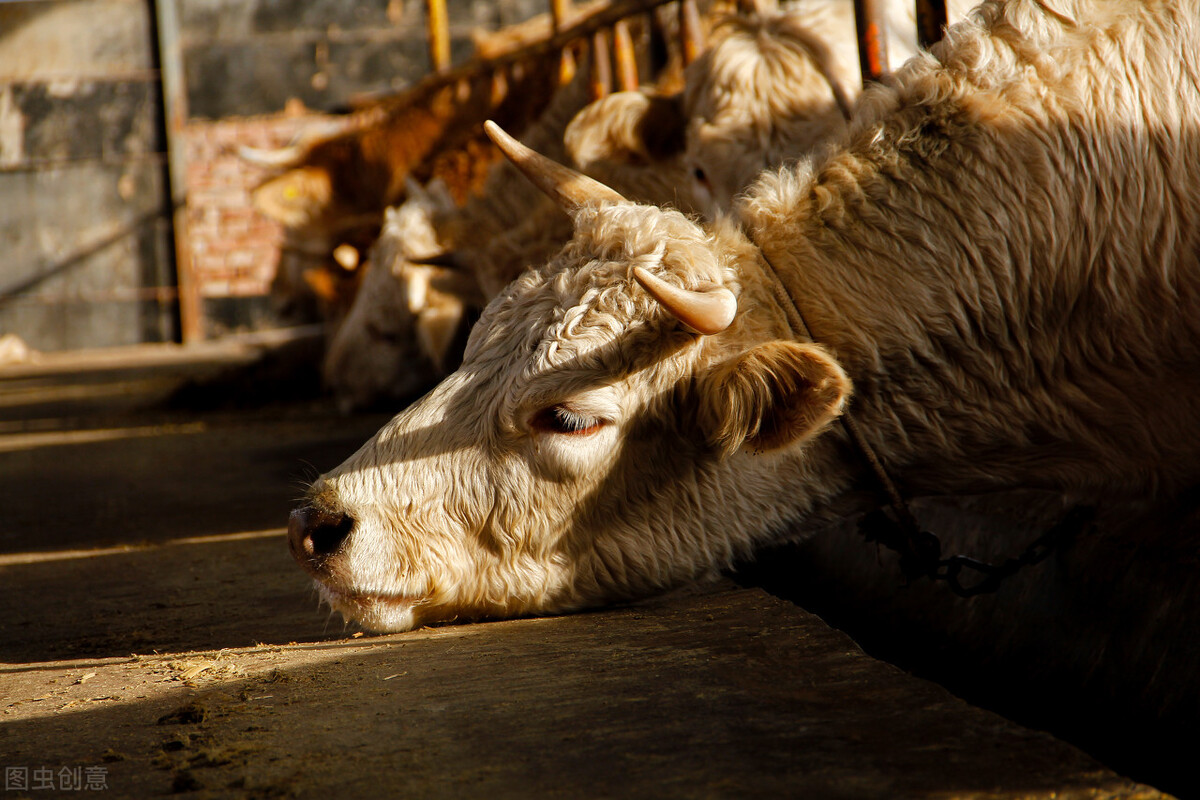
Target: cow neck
[
  {"x": 911, "y": 530},
  {"x": 920, "y": 551}
]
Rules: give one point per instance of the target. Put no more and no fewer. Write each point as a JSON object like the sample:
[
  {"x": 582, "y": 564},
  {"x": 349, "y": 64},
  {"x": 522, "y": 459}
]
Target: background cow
[{"x": 631, "y": 141}]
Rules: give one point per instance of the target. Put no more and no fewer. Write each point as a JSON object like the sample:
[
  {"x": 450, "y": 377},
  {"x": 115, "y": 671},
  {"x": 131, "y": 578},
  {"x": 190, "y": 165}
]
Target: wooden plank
[
  {"x": 705, "y": 693},
  {"x": 82, "y": 240},
  {"x": 603, "y": 17},
  {"x": 60, "y": 125}
]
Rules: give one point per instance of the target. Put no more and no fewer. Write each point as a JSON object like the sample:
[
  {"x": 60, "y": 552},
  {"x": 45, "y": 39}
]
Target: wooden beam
[{"x": 603, "y": 17}]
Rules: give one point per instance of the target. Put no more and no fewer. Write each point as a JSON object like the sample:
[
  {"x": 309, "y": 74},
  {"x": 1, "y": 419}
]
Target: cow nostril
[{"x": 315, "y": 533}]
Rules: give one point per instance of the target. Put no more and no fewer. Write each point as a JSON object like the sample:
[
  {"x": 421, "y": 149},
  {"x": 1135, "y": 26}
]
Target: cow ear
[
  {"x": 627, "y": 128},
  {"x": 771, "y": 396}
]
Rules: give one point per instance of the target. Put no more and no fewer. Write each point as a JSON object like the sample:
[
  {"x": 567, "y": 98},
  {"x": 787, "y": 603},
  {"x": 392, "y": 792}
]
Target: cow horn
[
  {"x": 706, "y": 311},
  {"x": 286, "y": 157},
  {"x": 568, "y": 188}
]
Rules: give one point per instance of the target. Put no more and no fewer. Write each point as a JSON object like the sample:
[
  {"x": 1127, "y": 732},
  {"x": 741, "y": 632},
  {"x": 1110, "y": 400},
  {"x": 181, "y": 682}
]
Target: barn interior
[{"x": 162, "y": 408}]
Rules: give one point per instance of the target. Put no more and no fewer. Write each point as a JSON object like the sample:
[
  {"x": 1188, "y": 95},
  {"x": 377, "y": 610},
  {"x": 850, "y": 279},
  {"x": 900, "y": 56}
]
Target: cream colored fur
[
  {"x": 773, "y": 86},
  {"x": 1002, "y": 258},
  {"x": 766, "y": 91},
  {"x": 382, "y": 352},
  {"x": 395, "y": 341}
]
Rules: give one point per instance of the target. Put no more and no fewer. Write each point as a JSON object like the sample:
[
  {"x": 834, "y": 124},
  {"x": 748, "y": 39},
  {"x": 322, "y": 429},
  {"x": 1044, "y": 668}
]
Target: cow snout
[{"x": 315, "y": 534}]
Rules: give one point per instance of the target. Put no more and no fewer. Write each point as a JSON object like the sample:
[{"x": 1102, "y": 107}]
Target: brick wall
[
  {"x": 84, "y": 221},
  {"x": 234, "y": 249},
  {"x": 246, "y": 64}
]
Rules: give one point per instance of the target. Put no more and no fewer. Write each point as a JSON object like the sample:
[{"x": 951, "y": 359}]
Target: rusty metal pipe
[
  {"x": 601, "y": 83},
  {"x": 439, "y": 35},
  {"x": 931, "y": 21},
  {"x": 689, "y": 31},
  {"x": 625, "y": 57},
  {"x": 872, "y": 41},
  {"x": 560, "y": 10}
]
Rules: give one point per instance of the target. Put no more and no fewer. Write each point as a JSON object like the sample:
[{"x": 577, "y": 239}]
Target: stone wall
[{"x": 84, "y": 244}]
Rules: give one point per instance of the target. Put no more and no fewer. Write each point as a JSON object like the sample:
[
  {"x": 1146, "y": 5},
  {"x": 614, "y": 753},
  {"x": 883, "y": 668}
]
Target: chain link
[{"x": 921, "y": 554}]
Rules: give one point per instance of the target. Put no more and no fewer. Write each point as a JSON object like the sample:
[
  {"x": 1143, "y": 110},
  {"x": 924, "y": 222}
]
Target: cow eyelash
[{"x": 563, "y": 420}]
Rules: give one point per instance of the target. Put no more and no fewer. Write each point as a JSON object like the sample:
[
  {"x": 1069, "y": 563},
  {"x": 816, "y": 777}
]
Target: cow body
[{"x": 999, "y": 265}]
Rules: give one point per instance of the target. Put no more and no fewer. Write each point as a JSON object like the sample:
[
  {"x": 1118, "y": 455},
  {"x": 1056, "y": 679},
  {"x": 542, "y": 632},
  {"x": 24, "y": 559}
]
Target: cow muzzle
[{"x": 315, "y": 535}]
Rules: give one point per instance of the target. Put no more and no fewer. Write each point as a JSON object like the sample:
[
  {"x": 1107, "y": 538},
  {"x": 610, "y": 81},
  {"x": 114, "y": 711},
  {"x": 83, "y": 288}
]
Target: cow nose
[{"x": 315, "y": 534}]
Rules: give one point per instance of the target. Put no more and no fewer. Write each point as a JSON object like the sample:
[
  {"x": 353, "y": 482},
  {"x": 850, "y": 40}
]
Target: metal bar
[
  {"x": 601, "y": 83},
  {"x": 174, "y": 90},
  {"x": 872, "y": 41},
  {"x": 931, "y": 21},
  {"x": 559, "y": 11},
  {"x": 689, "y": 30},
  {"x": 439, "y": 35},
  {"x": 603, "y": 17},
  {"x": 625, "y": 56}
]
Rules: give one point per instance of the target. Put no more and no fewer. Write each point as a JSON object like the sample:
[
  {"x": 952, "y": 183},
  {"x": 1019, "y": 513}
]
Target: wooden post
[
  {"x": 931, "y": 21},
  {"x": 601, "y": 65},
  {"x": 689, "y": 30},
  {"x": 626, "y": 58},
  {"x": 191, "y": 315},
  {"x": 872, "y": 41},
  {"x": 439, "y": 35}
]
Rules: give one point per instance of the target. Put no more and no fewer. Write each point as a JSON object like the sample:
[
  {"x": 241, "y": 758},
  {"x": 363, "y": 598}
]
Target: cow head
[
  {"x": 625, "y": 418},
  {"x": 406, "y": 327}
]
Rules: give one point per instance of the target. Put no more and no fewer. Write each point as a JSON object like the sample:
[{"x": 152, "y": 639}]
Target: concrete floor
[{"x": 155, "y": 635}]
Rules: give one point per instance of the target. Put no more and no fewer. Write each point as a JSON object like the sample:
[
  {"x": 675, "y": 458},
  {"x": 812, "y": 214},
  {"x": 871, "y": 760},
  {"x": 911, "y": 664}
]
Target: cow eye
[{"x": 560, "y": 419}]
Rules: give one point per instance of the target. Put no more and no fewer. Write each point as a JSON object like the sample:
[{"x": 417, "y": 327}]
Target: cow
[
  {"x": 633, "y": 141},
  {"x": 406, "y": 326},
  {"x": 773, "y": 86},
  {"x": 330, "y": 191},
  {"x": 382, "y": 353},
  {"x": 995, "y": 276}
]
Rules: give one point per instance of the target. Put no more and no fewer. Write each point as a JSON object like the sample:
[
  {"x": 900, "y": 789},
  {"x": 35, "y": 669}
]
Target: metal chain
[{"x": 925, "y": 560}]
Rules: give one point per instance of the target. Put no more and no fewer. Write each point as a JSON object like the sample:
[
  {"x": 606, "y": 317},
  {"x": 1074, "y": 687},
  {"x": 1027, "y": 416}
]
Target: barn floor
[{"x": 156, "y": 638}]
